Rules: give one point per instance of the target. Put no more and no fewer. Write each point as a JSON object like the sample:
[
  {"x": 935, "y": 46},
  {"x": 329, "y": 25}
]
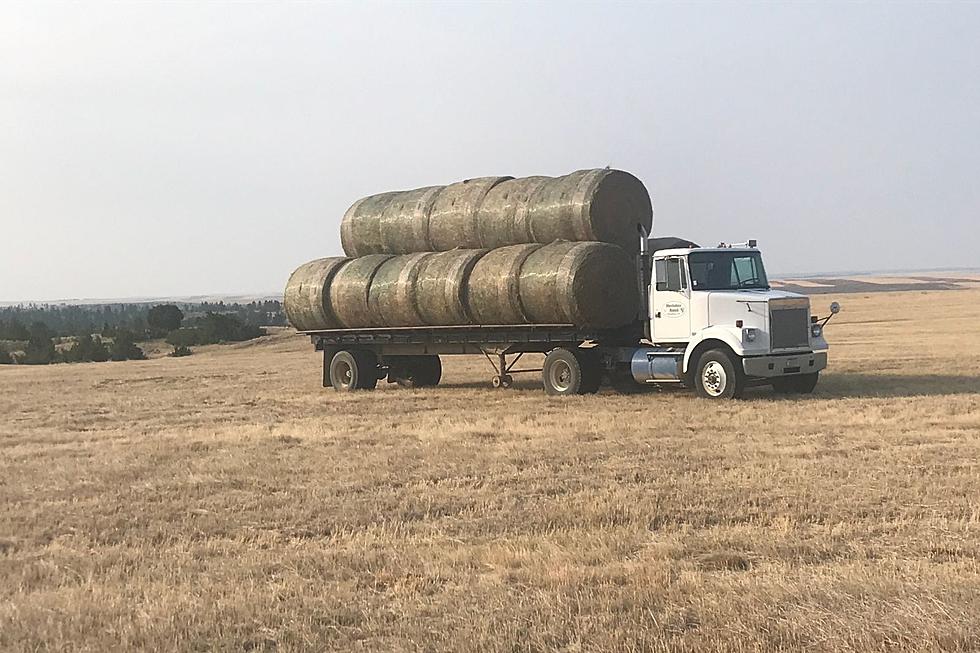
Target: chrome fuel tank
[{"x": 652, "y": 365}]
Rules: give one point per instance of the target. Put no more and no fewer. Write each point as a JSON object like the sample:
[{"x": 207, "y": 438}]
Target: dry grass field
[{"x": 227, "y": 502}]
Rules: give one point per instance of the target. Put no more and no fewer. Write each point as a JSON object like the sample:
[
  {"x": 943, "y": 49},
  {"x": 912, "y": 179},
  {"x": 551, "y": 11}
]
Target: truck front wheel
[
  {"x": 568, "y": 373},
  {"x": 801, "y": 384},
  {"x": 353, "y": 370},
  {"x": 717, "y": 376}
]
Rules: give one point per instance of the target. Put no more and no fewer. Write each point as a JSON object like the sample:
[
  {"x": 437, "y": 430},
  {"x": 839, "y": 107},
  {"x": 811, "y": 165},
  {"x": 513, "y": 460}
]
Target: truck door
[{"x": 671, "y": 300}]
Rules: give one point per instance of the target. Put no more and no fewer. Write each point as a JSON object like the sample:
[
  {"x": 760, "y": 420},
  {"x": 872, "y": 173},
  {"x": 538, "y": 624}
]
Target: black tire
[
  {"x": 353, "y": 370},
  {"x": 800, "y": 384},
  {"x": 591, "y": 366},
  {"x": 717, "y": 376},
  {"x": 428, "y": 371},
  {"x": 567, "y": 372},
  {"x": 622, "y": 381},
  {"x": 415, "y": 371}
]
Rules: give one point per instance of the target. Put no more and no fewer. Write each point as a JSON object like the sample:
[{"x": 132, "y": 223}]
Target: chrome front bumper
[{"x": 785, "y": 364}]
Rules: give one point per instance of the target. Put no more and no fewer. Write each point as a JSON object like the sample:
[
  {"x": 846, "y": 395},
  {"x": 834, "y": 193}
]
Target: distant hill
[
  {"x": 175, "y": 299},
  {"x": 878, "y": 283}
]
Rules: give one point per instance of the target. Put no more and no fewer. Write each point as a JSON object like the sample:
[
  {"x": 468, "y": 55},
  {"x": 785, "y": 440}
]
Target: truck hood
[
  {"x": 753, "y": 295},
  {"x": 750, "y": 309}
]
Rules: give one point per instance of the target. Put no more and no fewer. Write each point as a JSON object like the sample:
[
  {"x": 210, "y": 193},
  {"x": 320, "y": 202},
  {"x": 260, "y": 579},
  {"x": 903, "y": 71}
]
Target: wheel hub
[
  {"x": 561, "y": 375},
  {"x": 714, "y": 379}
]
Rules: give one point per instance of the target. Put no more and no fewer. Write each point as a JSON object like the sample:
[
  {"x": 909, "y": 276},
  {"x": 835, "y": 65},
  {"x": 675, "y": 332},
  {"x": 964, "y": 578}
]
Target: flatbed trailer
[{"x": 409, "y": 356}]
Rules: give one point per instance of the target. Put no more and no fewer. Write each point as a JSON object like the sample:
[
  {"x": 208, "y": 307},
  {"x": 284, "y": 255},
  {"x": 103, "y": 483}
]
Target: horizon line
[{"x": 277, "y": 295}]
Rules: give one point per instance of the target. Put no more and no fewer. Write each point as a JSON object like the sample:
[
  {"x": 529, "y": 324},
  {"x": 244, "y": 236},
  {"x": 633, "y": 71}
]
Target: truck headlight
[
  {"x": 816, "y": 330},
  {"x": 748, "y": 335}
]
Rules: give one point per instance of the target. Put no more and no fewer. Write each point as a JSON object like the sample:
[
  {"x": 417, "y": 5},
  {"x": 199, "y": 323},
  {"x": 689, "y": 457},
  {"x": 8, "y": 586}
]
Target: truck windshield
[{"x": 727, "y": 271}]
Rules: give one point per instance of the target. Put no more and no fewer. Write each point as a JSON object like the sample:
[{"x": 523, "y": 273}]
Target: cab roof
[{"x": 684, "y": 251}]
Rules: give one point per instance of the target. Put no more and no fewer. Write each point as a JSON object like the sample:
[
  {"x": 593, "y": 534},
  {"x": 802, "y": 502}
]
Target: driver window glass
[
  {"x": 660, "y": 273},
  {"x": 674, "y": 274},
  {"x": 670, "y": 274}
]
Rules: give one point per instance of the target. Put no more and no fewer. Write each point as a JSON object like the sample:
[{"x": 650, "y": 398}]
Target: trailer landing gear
[{"x": 504, "y": 371}]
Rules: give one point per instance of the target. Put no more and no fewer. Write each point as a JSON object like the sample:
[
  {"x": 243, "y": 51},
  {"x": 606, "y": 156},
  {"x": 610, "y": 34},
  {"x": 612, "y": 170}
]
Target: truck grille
[{"x": 789, "y": 328}]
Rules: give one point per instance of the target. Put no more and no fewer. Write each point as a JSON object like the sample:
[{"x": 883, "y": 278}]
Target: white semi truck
[{"x": 709, "y": 320}]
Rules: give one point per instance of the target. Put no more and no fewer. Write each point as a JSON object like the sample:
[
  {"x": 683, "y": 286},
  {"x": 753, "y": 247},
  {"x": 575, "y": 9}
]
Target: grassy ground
[{"x": 227, "y": 502}]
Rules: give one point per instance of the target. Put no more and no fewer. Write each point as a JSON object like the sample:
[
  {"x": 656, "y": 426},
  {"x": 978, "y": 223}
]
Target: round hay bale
[
  {"x": 586, "y": 284},
  {"x": 452, "y": 219},
  {"x": 440, "y": 287},
  {"x": 306, "y": 298},
  {"x": 487, "y": 212},
  {"x": 493, "y": 290},
  {"x": 404, "y": 222},
  {"x": 360, "y": 228},
  {"x": 602, "y": 205},
  {"x": 393, "y": 288},
  {"x": 502, "y": 218},
  {"x": 349, "y": 292}
]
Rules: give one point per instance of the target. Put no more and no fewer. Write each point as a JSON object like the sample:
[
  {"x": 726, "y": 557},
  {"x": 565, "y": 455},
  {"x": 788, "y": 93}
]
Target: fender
[{"x": 731, "y": 336}]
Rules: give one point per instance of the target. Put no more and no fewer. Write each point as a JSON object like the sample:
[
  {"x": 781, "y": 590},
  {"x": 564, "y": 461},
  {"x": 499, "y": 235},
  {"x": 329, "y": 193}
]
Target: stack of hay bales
[{"x": 493, "y": 250}]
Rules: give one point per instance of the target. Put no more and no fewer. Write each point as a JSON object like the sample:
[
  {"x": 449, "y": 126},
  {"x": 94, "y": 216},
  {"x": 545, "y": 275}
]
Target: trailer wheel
[
  {"x": 414, "y": 371},
  {"x": 570, "y": 373},
  {"x": 718, "y": 377},
  {"x": 427, "y": 371},
  {"x": 802, "y": 384},
  {"x": 353, "y": 370}
]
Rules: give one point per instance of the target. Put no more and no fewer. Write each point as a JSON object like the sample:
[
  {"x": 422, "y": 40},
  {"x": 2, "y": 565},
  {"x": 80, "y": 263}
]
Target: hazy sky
[{"x": 173, "y": 149}]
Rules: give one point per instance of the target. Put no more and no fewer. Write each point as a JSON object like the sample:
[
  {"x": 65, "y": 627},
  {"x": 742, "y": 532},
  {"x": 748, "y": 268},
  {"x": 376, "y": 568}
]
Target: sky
[{"x": 173, "y": 149}]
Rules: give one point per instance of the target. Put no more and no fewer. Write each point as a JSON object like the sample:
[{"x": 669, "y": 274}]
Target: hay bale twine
[
  {"x": 306, "y": 298},
  {"x": 502, "y": 218},
  {"x": 404, "y": 222},
  {"x": 493, "y": 290},
  {"x": 393, "y": 288},
  {"x": 586, "y": 284},
  {"x": 440, "y": 287},
  {"x": 453, "y": 217},
  {"x": 360, "y": 228},
  {"x": 349, "y": 291},
  {"x": 603, "y": 205}
]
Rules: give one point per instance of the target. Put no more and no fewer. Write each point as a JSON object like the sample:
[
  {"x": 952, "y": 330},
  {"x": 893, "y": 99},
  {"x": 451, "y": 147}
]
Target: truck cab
[{"x": 715, "y": 323}]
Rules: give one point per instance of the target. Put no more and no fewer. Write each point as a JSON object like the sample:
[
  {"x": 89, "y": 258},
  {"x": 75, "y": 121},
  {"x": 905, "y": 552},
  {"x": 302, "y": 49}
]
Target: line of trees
[
  {"x": 68, "y": 333},
  {"x": 74, "y": 320},
  {"x": 40, "y": 348}
]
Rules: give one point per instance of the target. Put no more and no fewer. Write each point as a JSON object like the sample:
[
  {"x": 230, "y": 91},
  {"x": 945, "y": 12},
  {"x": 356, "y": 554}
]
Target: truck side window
[
  {"x": 670, "y": 274},
  {"x": 660, "y": 273}
]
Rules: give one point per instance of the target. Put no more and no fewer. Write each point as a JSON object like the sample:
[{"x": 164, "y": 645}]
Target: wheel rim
[
  {"x": 714, "y": 379},
  {"x": 561, "y": 376},
  {"x": 345, "y": 374}
]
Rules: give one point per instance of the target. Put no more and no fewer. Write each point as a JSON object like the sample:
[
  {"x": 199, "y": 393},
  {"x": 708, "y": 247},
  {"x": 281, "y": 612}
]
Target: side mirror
[{"x": 834, "y": 308}]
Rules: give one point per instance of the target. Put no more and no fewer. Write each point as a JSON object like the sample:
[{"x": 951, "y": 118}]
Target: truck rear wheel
[
  {"x": 717, "y": 376},
  {"x": 567, "y": 372},
  {"x": 622, "y": 381},
  {"x": 802, "y": 384},
  {"x": 353, "y": 370}
]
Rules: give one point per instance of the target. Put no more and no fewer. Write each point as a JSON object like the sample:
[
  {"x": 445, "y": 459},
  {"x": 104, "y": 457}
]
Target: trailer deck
[{"x": 496, "y": 342}]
